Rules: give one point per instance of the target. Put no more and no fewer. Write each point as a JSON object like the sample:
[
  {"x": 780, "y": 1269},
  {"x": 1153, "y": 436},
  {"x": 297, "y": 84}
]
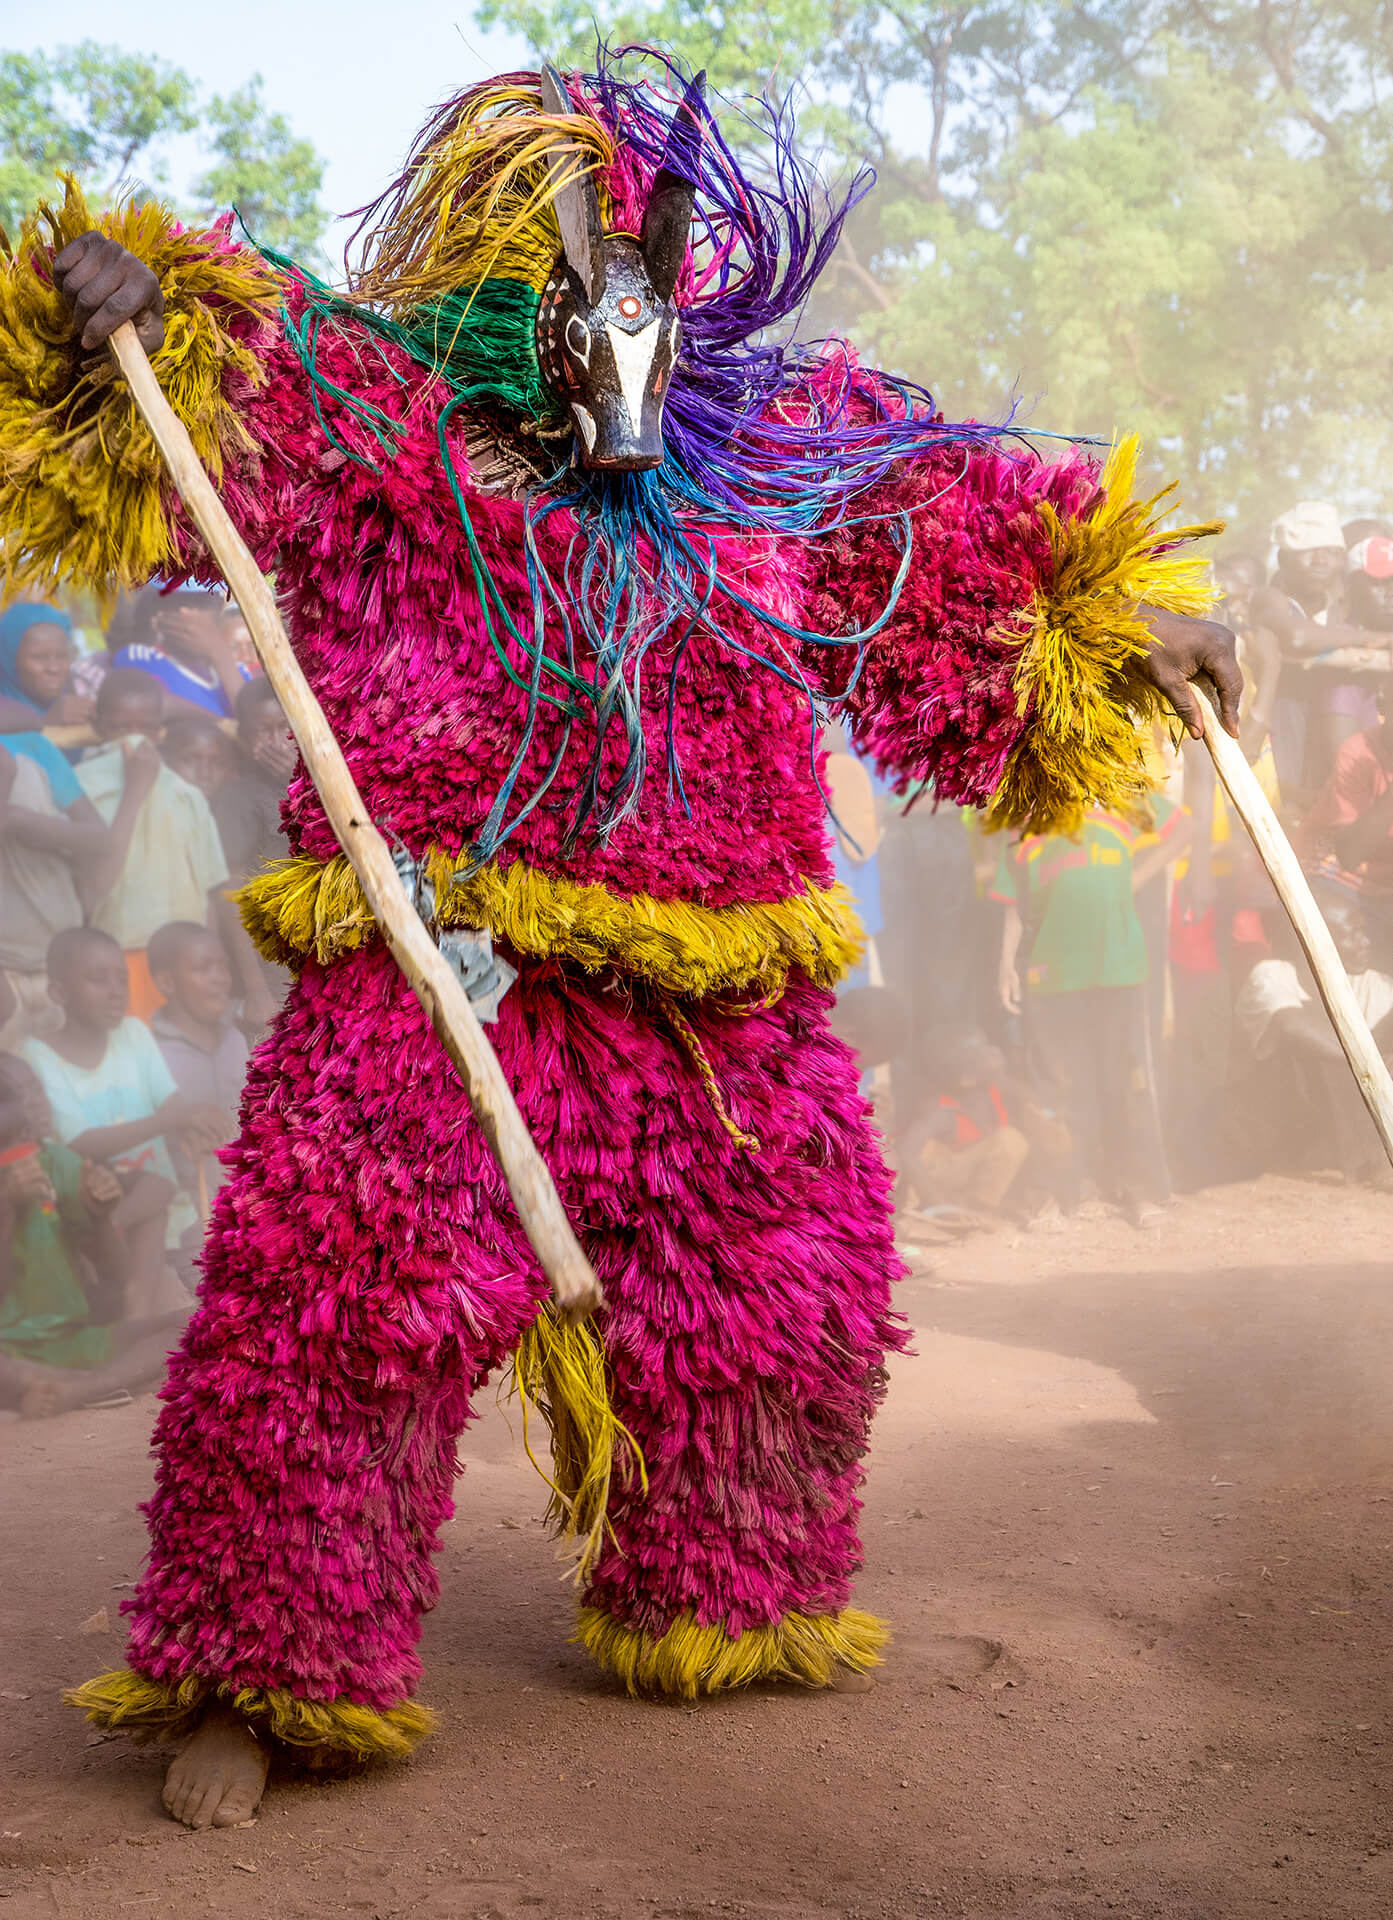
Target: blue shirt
[
  {"x": 178, "y": 679},
  {"x": 63, "y": 783}
]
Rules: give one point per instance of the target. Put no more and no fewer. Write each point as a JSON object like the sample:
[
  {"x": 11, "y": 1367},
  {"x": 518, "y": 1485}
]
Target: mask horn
[
  {"x": 577, "y": 204},
  {"x": 667, "y": 219}
]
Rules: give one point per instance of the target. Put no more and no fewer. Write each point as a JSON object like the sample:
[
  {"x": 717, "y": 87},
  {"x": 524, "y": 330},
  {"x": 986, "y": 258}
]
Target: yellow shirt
[{"x": 175, "y": 854}]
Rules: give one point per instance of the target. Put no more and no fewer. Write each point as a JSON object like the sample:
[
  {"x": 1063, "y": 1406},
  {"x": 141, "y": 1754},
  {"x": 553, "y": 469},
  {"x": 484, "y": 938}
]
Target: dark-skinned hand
[
  {"x": 106, "y": 286},
  {"x": 28, "y": 1183},
  {"x": 100, "y": 1187},
  {"x": 1183, "y": 648}
]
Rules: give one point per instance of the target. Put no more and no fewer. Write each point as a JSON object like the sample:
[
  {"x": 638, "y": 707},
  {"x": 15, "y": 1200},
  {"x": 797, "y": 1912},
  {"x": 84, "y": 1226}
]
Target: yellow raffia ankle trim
[
  {"x": 127, "y": 1702},
  {"x": 1078, "y": 675},
  {"x": 301, "y": 906},
  {"x": 689, "y": 1659},
  {"x": 82, "y": 484},
  {"x": 560, "y": 1371}
]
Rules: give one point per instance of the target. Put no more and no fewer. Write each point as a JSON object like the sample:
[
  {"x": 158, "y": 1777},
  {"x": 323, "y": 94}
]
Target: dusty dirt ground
[{"x": 1130, "y": 1511}]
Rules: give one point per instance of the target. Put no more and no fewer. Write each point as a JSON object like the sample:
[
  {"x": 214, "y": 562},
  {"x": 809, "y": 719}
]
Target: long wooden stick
[
  {"x": 573, "y": 1284},
  {"x": 1251, "y": 805}
]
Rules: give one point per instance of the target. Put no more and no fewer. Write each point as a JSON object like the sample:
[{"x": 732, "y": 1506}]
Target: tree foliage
[
  {"x": 107, "y": 115},
  {"x": 261, "y": 168},
  {"x": 1168, "y": 215},
  {"x": 94, "y": 109}
]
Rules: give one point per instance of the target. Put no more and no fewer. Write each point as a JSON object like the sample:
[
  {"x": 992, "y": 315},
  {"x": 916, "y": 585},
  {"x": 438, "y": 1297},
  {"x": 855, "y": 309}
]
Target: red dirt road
[{"x": 1131, "y": 1512}]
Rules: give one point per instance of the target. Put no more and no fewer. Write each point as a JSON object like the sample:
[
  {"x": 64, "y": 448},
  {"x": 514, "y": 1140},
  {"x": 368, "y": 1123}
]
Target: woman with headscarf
[{"x": 36, "y": 658}]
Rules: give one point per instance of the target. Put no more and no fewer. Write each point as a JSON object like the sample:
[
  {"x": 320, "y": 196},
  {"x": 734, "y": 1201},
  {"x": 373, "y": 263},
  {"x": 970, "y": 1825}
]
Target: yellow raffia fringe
[
  {"x": 560, "y": 1371},
  {"x": 689, "y": 1659},
  {"x": 478, "y": 198},
  {"x": 124, "y": 1701},
  {"x": 81, "y": 481},
  {"x": 1078, "y": 674},
  {"x": 301, "y": 906}
]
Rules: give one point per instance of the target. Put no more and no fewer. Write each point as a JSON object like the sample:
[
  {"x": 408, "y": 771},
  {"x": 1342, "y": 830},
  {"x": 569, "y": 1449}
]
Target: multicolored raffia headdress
[{"x": 475, "y": 261}]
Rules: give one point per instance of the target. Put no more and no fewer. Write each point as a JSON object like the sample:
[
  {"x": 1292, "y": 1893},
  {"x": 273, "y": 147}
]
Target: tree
[
  {"x": 271, "y": 177},
  {"x": 1167, "y": 214},
  {"x": 90, "y": 108},
  {"x": 104, "y": 114}
]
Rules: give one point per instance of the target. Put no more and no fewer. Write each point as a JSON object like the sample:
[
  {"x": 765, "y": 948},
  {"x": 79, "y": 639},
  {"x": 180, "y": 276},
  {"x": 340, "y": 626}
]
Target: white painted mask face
[
  {"x": 611, "y": 362},
  {"x": 608, "y": 334}
]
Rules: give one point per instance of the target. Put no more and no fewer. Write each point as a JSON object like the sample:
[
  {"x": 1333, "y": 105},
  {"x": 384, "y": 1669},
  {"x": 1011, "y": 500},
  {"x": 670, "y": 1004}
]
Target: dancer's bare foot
[{"x": 217, "y": 1778}]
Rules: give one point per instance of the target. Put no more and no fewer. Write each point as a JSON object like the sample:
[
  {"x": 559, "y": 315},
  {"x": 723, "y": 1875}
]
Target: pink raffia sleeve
[{"x": 1007, "y": 670}]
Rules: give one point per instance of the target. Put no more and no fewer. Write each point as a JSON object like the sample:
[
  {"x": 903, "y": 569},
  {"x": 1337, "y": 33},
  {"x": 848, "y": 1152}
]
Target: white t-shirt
[
  {"x": 129, "y": 1083},
  {"x": 1274, "y": 985}
]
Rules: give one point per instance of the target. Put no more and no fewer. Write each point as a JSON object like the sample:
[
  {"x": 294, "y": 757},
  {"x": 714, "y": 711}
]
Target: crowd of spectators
[
  {"x": 140, "y": 783},
  {"x": 1050, "y": 1025}
]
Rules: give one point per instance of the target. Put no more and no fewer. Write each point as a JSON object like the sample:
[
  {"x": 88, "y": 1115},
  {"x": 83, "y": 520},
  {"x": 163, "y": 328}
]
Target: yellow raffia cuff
[
  {"x": 124, "y": 1701},
  {"x": 1078, "y": 675},
  {"x": 81, "y": 481},
  {"x": 560, "y": 1371},
  {"x": 690, "y": 1660},
  {"x": 301, "y": 906}
]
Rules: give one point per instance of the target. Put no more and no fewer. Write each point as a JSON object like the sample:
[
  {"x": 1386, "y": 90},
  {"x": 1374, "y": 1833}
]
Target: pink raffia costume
[{"x": 584, "y": 701}]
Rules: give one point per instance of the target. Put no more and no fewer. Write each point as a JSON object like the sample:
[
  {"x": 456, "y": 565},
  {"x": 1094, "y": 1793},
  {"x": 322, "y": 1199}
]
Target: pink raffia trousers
[{"x": 365, "y": 1273}]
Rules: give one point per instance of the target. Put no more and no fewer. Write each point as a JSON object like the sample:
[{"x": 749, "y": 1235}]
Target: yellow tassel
[
  {"x": 298, "y": 907},
  {"x": 124, "y": 1701},
  {"x": 690, "y": 1660},
  {"x": 478, "y": 200},
  {"x": 560, "y": 1370},
  {"x": 1078, "y": 674},
  {"x": 82, "y": 494}
]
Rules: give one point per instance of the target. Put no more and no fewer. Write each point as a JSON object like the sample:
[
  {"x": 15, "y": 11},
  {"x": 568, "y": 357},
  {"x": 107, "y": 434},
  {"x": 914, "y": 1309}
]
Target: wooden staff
[
  {"x": 574, "y": 1287},
  {"x": 1251, "y": 805}
]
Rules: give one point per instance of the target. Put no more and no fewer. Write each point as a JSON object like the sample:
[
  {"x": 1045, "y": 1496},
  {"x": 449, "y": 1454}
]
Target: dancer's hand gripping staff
[{"x": 574, "y": 1287}]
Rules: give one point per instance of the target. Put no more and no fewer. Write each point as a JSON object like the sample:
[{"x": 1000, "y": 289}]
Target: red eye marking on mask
[{"x": 629, "y": 306}]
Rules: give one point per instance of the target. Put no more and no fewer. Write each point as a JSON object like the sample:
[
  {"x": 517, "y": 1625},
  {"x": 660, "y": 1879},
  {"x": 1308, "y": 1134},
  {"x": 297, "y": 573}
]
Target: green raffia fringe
[
  {"x": 481, "y": 340},
  {"x": 124, "y": 1701}
]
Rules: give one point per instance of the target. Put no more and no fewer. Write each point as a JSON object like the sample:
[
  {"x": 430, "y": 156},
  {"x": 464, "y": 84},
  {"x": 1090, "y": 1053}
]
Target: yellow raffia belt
[{"x": 302, "y": 906}]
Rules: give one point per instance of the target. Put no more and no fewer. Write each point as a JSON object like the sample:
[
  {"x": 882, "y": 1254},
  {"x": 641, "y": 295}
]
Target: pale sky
[{"x": 356, "y": 79}]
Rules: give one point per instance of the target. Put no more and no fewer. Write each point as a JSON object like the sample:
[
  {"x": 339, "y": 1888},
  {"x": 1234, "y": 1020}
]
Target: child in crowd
[
  {"x": 63, "y": 1254},
  {"x": 184, "y": 640},
  {"x": 248, "y": 805},
  {"x": 247, "y": 808},
  {"x": 166, "y": 861},
  {"x": 966, "y": 1142},
  {"x": 195, "y": 747},
  {"x": 113, "y": 1100},
  {"x": 203, "y": 1049},
  {"x": 961, "y": 1129}
]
